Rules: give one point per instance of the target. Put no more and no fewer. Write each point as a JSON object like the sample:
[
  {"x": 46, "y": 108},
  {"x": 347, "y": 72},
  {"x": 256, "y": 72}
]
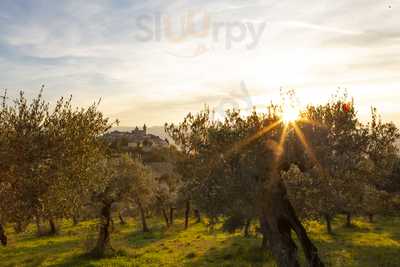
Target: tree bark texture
[
  {"x": 75, "y": 220},
  {"x": 328, "y": 220},
  {"x": 165, "y": 217},
  {"x": 371, "y": 218},
  {"x": 247, "y": 228},
  {"x": 187, "y": 214},
  {"x": 143, "y": 217},
  {"x": 278, "y": 219},
  {"x": 121, "y": 219},
  {"x": 104, "y": 240},
  {"x": 53, "y": 228},
  {"x": 171, "y": 216},
  {"x": 348, "y": 220},
  {"x": 197, "y": 215}
]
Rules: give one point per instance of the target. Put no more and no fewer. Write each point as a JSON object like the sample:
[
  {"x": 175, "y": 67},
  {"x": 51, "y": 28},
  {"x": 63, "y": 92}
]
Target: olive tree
[
  {"x": 347, "y": 164},
  {"x": 50, "y": 154},
  {"x": 336, "y": 145},
  {"x": 120, "y": 179}
]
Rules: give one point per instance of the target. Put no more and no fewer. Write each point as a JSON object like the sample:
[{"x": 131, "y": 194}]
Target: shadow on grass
[
  {"x": 236, "y": 251},
  {"x": 355, "y": 228},
  {"x": 382, "y": 256},
  {"x": 78, "y": 260},
  {"x": 346, "y": 255},
  {"x": 360, "y": 246},
  {"x": 86, "y": 259},
  {"x": 34, "y": 255},
  {"x": 158, "y": 233}
]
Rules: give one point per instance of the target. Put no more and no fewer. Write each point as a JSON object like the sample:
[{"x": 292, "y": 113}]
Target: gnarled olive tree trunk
[
  {"x": 370, "y": 217},
  {"x": 121, "y": 218},
  {"x": 171, "y": 216},
  {"x": 103, "y": 245},
  {"x": 197, "y": 215},
  {"x": 247, "y": 228},
  {"x": 277, "y": 219},
  {"x": 187, "y": 214},
  {"x": 348, "y": 220},
  {"x": 328, "y": 220},
  {"x": 3, "y": 237},
  {"x": 75, "y": 220},
  {"x": 53, "y": 228},
  {"x": 142, "y": 216},
  {"x": 165, "y": 217}
]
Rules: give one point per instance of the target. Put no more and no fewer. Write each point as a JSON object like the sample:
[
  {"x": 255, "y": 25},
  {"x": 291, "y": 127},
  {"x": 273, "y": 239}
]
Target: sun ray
[
  {"x": 282, "y": 143},
  {"x": 257, "y": 135},
  {"x": 311, "y": 122},
  {"x": 307, "y": 147}
]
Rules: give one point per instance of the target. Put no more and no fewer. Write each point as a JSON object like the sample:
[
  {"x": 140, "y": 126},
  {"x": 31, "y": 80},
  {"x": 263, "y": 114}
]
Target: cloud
[
  {"x": 317, "y": 27},
  {"x": 367, "y": 39},
  {"x": 90, "y": 49}
]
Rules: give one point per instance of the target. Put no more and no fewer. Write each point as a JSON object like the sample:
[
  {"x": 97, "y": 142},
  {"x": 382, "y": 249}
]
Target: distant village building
[{"x": 138, "y": 138}]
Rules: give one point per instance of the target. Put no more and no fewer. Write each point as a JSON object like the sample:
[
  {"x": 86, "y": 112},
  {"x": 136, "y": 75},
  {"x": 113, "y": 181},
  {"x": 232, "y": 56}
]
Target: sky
[{"x": 154, "y": 61}]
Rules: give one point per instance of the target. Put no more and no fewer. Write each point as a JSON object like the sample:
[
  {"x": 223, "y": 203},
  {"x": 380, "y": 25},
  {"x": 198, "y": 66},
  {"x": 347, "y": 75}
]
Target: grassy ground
[{"x": 364, "y": 245}]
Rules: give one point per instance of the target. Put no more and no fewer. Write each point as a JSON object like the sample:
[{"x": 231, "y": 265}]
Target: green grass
[{"x": 364, "y": 245}]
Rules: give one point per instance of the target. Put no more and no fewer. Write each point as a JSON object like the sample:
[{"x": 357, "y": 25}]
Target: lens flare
[{"x": 290, "y": 115}]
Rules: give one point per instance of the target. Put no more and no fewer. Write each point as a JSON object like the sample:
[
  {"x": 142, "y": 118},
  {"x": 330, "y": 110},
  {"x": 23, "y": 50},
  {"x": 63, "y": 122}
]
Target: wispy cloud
[
  {"x": 90, "y": 49},
  {"x": 317, "y": 27}
]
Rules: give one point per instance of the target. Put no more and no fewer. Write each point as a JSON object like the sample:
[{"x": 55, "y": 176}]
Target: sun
[{"x": 290, "y": 115}]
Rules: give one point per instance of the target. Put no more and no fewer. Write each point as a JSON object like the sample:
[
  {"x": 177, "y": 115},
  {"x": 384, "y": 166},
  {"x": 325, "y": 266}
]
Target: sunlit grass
[{"x": 364, "y": 245}]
